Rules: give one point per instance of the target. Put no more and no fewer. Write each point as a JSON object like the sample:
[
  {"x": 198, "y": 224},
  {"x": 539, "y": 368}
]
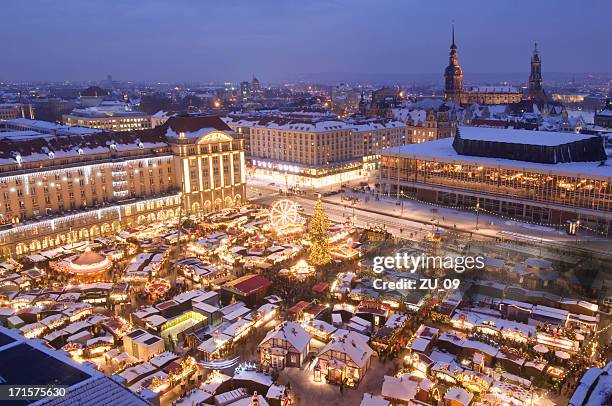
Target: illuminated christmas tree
[{"x": 317, "y": 234}]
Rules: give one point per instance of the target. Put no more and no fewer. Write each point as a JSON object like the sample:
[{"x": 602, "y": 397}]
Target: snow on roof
[
  {"x": 304, "y": 125},
  {"x": 550, "y": 312},
  {"x": 205, "y": 307},
  {"x": 322, "y": 326},
  {"x": 100, "y": 391},
  {"x": 602, "y": 113},
  {"x": 495, "y": 323},
  {"x": 420, "y": 344},
  {"x": 188, "y": 295},
  {"x": 226, "y": 398},
  {"x": 493, "y": 89},
  {"x": 376, "y": 124},
  {"x": 362, "y": 322},
  {"x": 459, "y": 395},
  {"x": 237, "y": 313},
  {"x": 156, "y": 320},
  {"x": 212, "y": 344},
  {"x": 442, "y": 151},
  {"x": 261, "y": 401},
  {"x": 351, "y": 344},
  {"x": 162, "y": 359},
  {"x": 494, "y": 262},
  {"x": 48, "y": 127},
  {"x": 292, "y": 332},
  {"x": 276, "y": 391},
  {"x": 371, "y": 400},
  {"x": 512, "y": 136},
  {"x": 254, "y": 376},
  {"x": 134, "y": 373},
  {"x": 594, "y": 388},
  {"x": 399, "y": 388},
  {"x": 235, "y": 329},
  {"x": 193, "y": 397}
]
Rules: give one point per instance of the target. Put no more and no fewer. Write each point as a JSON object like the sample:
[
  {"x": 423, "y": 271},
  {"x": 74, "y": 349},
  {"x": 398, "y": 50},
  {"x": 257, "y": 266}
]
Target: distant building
[
  {"x": 245, "y": 91},
  {"x": 383, "y": 101},
  {"x": 428, "y": 124},
  {"x": 536, "y": 88},
  {"x": 344, "y": 99},
  {"x": 51, "y": 109},
  {"x": 255, "y": 85},
  {"x": 93, "y": 96},
  {"x": 10, "y": 111},
  {"x": 456, "y": 93},
  {"x": 108, "y": 120},
  {"x": 603, "y": 118}
]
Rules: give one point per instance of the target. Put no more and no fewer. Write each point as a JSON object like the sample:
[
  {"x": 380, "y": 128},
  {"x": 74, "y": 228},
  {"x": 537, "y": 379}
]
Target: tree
[{"x": 317, "y": 234}]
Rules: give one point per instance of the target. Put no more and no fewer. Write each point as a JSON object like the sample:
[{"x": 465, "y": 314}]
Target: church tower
[
  {"x": 536, "y": 89},
  {"x": 453, "y": 75}
]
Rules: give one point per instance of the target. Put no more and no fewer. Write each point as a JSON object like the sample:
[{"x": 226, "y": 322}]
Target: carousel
[
  {"x": 157, "y": 288},
  {"x": 302, "y": 270},
  {"x": 285, "y": 219},
  {"x": 87, "y": 267}
]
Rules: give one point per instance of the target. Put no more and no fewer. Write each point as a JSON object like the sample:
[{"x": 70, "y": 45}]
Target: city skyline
[{"x": 276, "y": 42}]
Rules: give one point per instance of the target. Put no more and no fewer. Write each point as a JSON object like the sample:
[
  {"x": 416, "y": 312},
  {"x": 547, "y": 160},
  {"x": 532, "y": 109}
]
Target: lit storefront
[{"x": 544, "y": 193}]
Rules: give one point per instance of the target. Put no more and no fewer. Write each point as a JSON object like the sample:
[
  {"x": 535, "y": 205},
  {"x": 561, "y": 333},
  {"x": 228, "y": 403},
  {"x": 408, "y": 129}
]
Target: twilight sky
[{"x": 201, "y": 40}]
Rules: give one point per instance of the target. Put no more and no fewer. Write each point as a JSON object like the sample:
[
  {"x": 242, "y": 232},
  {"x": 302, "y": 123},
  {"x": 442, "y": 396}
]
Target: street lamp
[{"x": 477, "y": 213}]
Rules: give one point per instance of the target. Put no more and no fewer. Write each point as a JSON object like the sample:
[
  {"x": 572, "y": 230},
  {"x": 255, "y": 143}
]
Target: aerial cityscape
[{"x": 278, "y": 203}]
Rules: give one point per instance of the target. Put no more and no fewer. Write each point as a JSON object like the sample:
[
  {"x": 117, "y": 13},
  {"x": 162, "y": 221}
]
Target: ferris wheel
[{"x": 284, "y": 213}]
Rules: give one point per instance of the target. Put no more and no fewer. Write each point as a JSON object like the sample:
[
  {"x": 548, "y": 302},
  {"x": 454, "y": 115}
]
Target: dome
[
  {"x": 89, "y": 258},
  {"x": 86, "y": 267}
]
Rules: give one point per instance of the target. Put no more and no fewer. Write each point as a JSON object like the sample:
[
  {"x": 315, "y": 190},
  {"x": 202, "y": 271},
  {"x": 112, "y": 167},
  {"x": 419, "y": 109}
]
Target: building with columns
[
  {"x": 70, "y": 186},
  {"x": 209, "y": 161}
]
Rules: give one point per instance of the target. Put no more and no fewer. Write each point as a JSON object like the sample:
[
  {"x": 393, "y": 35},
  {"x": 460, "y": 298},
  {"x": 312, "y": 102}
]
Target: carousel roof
[
  {"x": 87, "y": 262},
  {"x": 89, "y": 258}
]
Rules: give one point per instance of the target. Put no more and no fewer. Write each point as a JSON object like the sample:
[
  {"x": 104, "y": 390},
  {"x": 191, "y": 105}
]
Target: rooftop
[
  {"x": 249, "y": 283},
  {"x": 442, "y": 151},
  {"x": 525, "y": 137}
]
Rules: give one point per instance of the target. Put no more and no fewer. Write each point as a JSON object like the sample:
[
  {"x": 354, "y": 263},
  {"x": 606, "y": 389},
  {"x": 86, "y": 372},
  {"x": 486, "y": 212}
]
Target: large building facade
[
  {"x": 456, "y": 93},
  {"x": 548, "y": 179},
  {"x": 314, "y": 152},
  {"x": 61, "y": 188}
]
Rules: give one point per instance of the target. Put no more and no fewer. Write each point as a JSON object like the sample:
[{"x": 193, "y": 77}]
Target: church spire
[
  {"x": 536, "y": 88},
  {"x": 453, "y": 74}
]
